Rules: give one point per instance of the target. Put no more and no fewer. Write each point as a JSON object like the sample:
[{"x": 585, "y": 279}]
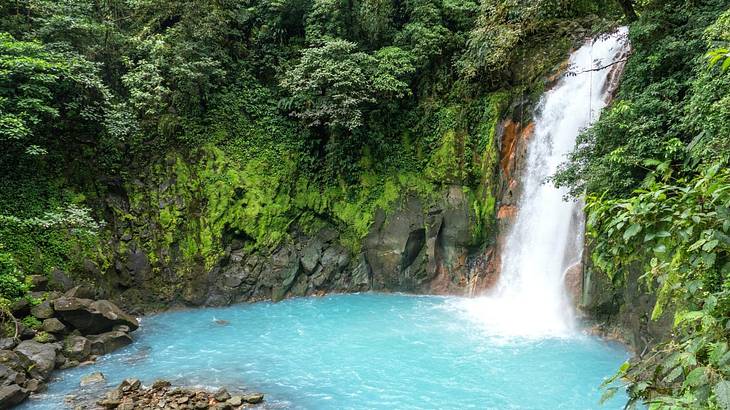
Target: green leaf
[
  {"x": 722, "y": 394},
  {"x": 631, "y": 231},
  {"x": 696, "y": 377},
  {"x": 710, "y": 245},
  {"x": 673, "y": 375}
]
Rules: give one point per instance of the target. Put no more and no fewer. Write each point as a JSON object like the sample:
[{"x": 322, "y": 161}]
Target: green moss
[
  {"x": 43, "y": 337},
  {"x": 32, "y": 322}
]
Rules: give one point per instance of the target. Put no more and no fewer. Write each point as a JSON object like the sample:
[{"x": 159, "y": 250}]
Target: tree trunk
[{"x": 628, "y": 8}]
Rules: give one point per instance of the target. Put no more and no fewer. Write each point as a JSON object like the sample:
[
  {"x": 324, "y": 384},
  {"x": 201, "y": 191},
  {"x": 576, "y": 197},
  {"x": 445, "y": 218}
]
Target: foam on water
[{"x": 366, "y": 351}]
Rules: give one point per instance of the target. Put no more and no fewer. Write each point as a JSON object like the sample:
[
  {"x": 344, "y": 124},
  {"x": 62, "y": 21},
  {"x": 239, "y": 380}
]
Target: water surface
[{"x": 363, "y": 351}]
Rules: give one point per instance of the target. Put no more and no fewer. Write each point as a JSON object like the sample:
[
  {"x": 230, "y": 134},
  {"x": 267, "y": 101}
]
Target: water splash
[{"x": 546, "y": 238}]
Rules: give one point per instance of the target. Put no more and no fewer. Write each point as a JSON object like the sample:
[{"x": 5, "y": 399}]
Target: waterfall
[{"x": 546, "y": 238}]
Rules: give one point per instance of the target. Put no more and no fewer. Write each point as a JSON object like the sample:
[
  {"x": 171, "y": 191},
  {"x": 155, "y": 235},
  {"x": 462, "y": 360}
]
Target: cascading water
[{"x": 530, "y": 298}]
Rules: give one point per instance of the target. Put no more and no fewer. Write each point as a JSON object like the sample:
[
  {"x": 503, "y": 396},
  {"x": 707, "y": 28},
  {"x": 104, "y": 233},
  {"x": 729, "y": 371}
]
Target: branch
[{"x": 623, "y": 60}]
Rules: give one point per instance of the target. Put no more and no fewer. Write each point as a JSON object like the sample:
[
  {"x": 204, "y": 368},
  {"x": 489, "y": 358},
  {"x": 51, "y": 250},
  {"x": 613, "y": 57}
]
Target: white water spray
[{"x": 530, "y": 298}]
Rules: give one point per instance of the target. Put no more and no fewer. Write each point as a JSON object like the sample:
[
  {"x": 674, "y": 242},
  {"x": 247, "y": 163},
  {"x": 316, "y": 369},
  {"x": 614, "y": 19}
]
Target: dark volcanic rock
[
  {"x": 53, "y": 325},
  {"x": 7, "y": 343},
  {"x": 9, "y": 376},
  {"x": 14, "y": 361},
  {"x": 76, "y": 348},
  {"x": 43, "y": 310},
  {"x": 43, "y": 356},
  {"x": 108, "y": 342},
  {"x": 92, "y": 316},
  {"x": 11, "y": 395},
  {"x": 60, "y": 280}
]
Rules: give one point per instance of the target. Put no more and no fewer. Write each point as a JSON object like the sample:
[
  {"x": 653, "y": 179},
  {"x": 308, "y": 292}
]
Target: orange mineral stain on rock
[
  {"x": 514, "y": 136},
  {"x": 507, "y": 212}
]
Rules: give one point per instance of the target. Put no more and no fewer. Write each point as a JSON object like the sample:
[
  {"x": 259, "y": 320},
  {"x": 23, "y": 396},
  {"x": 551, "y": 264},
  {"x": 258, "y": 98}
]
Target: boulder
[
  {"x": 11, "y": 395},
  {"x": 90, "y": 316},
  {"x": 60, "y": 280},
  {"x": 34, "y": 386},
  {"x": 14, "y": 361},
  {"x": 42, "y": 355},
  {"x": 21, "y": 307},
  {"x": 43, "y": 310},
  {"x": 76, "y": 348},
  {"x": 129, "y": 385},
  {"x": 108, "y": 342},
  {"x": 253, "y": 398},
  {"x": 53, "y": 325},
  {"x": 25, "y": 332},
  {"x": 9, "y": 376},
  {"x": 160, "y": 384},
  {"x": 93, "y": 378},
  {"x": 221, "y": 395},
  {"x": 8, "y": 343}
]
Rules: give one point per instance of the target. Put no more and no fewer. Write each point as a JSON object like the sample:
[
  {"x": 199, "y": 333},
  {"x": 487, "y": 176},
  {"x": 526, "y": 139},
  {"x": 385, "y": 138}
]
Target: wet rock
[
  {"x": 34, "y": 386},
  {"x": 42, "y": 355},
  {"x": 108, "y": 342},
  {"x": 235, "y": 401},
  {"x": 93, "y": 378},
  {"x": 76, "y": 348},
  {"x": 361, "y": 274},
  {"x": 138, "y": 265},
  {"x": 160, "y": 384},
  {"x": 222, "y": 395},
  {"x": 129, "y": 385},
  {"x": 53, "y": 325},
  {"x": 11, "y": 395},
  {"x": 60, "y": 360},
  {"x": 92, "y": 317},
  {"x": 253, "y": 398}
]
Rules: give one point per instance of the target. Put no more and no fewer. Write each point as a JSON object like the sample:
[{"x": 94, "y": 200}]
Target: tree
[
  {"x": 628, "y": 7},
  {"x": 333, "y": 83},
  {"x": 38, "y": 87}
]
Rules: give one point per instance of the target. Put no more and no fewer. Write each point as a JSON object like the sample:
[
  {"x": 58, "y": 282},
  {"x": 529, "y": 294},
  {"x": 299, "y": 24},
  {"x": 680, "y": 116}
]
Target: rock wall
[
  {"x": 418, "y": 246},
  {"x": 622, "y": 312}
]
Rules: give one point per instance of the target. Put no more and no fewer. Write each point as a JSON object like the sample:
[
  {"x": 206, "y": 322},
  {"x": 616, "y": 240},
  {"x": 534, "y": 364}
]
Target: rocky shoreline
[
  {"x": 58, "y": 331},
  {"x": 131, "y": 394}
]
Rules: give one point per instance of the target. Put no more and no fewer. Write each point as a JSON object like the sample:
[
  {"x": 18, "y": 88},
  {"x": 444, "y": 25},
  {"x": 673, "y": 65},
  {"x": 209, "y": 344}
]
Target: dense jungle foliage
[
  {"x": 267, "y": 114},
  {"x": 275, "y": 113},
  {"x": 655, "y": 169}
]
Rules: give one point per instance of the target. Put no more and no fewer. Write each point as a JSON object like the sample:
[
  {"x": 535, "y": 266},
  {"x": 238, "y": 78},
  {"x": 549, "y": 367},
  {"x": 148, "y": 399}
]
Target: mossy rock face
[{"x": 424, "y": 249}]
